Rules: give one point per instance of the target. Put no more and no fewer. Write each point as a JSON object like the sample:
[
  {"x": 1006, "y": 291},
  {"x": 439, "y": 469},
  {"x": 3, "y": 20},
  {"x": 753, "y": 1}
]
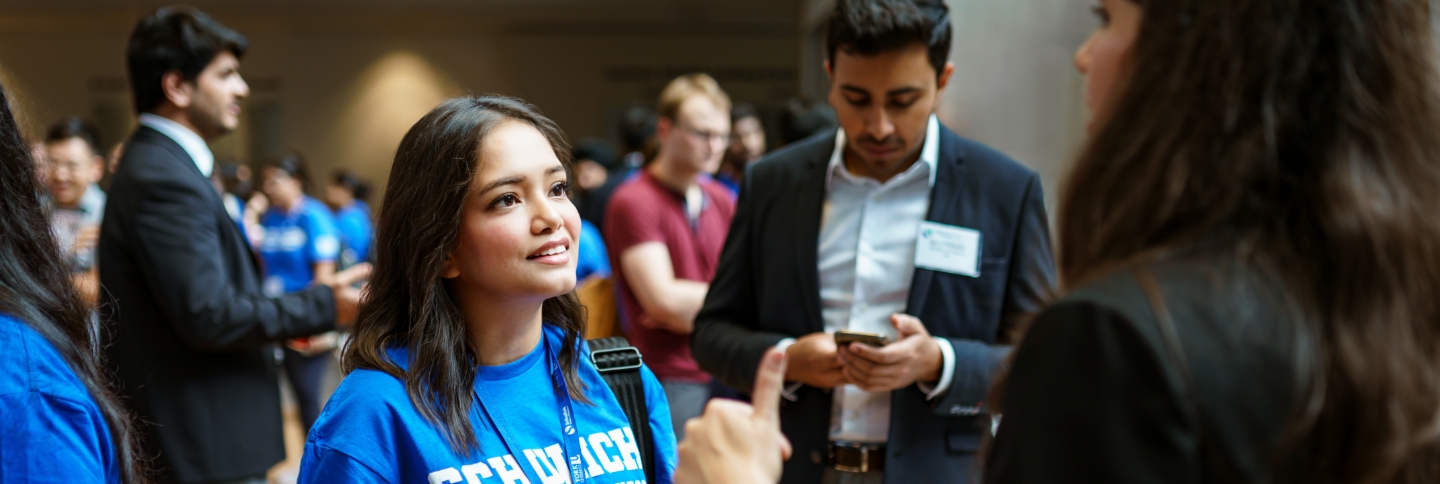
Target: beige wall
[{"x": 343, "y": 89}]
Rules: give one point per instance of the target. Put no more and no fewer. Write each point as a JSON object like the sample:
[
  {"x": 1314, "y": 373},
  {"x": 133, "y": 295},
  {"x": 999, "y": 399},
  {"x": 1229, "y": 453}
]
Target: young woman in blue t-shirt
[
  {"x": 346, "y": 194},
  {"x": 299, "y": 247},
  {"x": 466, "y": 363},
  {"x": 62, "y": 421}
]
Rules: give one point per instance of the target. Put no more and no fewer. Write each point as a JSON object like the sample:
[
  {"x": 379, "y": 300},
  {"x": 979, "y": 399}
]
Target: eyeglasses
[{"x": 708, "y": 136}]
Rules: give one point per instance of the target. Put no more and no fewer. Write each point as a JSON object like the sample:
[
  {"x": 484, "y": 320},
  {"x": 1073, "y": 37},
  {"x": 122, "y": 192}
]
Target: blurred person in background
[
  {"x": 637, "y": 134},
  {"x": 300, "y": 247},
  {"x": 348, "y": 195},
  {"x": 595, "y": 163},
  {"x": 892, "y": 225},
  {"x": 594, "y": 160},
  {"x": 233, "y": 181},
  {"x": 74, "y": 165},
  {"x": 1250, "y": 254},
  {"x": 63, "y": 420},
  {"x": 803, "y": 119},
  {"x": 193, "y": 335},
  {"x": 664, "y": 229},
  {"x": 747, "y": 145}
]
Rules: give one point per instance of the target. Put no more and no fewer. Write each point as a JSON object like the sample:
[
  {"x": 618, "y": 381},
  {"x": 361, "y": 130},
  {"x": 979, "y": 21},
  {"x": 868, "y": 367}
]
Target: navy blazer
[
  {"x": 767, "y": 289},
  {"x": 190, "y": 330}
]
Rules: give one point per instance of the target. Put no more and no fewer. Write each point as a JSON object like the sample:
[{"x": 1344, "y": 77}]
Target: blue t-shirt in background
[
  {"x": 356, "y": 232},
  {"x": 52, "y": 430},
  {"x": 370, "y": 432},
  {"x": 593, "y": 259},
  {"x": 296, "y": 240}
]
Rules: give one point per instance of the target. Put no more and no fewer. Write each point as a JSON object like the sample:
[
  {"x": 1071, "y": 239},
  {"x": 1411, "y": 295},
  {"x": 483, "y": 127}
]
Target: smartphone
[{"x": 873, "y": 339}]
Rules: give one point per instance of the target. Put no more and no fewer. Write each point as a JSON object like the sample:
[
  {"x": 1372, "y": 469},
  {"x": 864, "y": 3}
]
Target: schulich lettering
[{"x": 603, "y": 452}]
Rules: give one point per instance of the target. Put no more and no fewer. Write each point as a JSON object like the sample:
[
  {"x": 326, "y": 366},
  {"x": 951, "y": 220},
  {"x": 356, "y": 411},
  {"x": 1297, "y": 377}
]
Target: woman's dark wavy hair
[
  {"x": 35, "y": 287},
  {"x": 1299, "y": 136},
  {"x": 408, "y": 303}
]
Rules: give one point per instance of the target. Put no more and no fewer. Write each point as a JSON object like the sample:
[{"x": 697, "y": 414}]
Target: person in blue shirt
[
  {"x": 346, "y": 194},
  {"x": 593, "y": 260},
  {"x": 466, "y": 363},
  {"x": 62, "y": 420},
  {"x": 299, "y": 247}
]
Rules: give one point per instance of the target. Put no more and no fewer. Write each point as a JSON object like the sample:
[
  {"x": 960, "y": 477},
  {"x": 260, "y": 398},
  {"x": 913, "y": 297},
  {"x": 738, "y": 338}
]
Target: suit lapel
[
  {"x": 810, "y": 199},
  {"x": 944, "y": 208},
  {"x": 152, "y": 136}
]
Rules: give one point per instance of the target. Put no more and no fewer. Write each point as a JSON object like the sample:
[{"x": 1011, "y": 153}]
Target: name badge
[{"x": 948, "y": 248}]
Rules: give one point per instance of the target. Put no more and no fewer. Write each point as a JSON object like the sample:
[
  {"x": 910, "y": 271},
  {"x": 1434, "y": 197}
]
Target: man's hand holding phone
[{"x": 915, "y": 356}]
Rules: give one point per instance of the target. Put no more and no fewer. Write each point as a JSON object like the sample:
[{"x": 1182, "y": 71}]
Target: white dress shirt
[
  {"x": 866, "y": 258},
  {"x": 192, "y": 143}
]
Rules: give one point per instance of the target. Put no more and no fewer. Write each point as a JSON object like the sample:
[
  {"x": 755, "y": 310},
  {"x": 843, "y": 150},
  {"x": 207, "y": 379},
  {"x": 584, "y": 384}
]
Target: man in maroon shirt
[{"x": 664, "y": 229}]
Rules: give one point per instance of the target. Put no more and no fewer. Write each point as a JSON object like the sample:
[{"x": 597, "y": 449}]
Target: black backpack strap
[{"x": 619, "y": 365}]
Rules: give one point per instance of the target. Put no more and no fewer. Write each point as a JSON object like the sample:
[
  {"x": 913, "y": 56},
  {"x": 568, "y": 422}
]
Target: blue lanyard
[{"x": 567, "y": 425}]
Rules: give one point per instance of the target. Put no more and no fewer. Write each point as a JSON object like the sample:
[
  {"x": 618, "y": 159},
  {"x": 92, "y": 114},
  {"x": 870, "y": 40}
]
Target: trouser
[
  {"x": 833, "y": 476},
  {"x": 306, "y": 374},
  {"x": 687, "y": 401}
]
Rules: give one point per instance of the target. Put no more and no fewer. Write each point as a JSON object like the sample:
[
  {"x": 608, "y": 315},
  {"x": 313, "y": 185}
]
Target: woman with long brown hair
[
  {"x": 466, "y": 361},
  {"x": 62, "y": 420},
  {"x": 1250, "y": 254}
]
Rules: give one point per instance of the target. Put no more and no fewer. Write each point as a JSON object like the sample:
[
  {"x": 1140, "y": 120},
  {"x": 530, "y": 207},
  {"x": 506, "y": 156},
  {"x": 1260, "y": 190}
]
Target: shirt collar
[
  {"x": 929, "y": 153},
  {"x": 192, "y": 143}
]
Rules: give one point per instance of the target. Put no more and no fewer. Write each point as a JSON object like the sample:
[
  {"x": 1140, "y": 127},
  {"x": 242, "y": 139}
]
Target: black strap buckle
[{"x": 616, "y": 359}]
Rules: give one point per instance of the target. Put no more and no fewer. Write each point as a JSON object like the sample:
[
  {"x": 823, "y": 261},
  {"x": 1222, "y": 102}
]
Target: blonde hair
[{"x": 688, "y": 86}]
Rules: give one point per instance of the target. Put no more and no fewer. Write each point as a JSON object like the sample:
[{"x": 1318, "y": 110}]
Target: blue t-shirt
[
  {"x": 295, "y": 241},
  {"x": 356, "y": 232},
  {"x": 593, "y": 259},
  {"x": 370, "y": 432},
  {"x": 52, "y": 430}
]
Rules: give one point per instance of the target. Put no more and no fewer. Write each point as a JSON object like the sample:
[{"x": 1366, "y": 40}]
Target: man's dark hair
[
  {"x": 636, "y": 127},
  {"x": 74, "y": 127},
  {"x": 870, "y": 27},
  {"x": 175, "y": 38},
  {"x": 803, "y": 118}
]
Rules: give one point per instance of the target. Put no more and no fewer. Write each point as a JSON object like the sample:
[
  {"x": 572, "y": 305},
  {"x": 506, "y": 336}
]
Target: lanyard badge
[{"x": 567, "y": 424}]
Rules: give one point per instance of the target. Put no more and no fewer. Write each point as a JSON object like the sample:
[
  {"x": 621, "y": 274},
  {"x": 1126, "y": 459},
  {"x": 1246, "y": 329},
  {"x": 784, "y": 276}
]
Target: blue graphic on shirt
[
  {"x": 296, "y": 240},
  {"x": 356, "y": 232},
  {"x": 371, "y": 432}
]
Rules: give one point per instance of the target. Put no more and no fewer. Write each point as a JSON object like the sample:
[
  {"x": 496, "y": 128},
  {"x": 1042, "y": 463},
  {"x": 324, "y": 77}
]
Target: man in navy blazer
[
  {"x": 192, "y": 336},
  {"x": 893, "y": 225}
]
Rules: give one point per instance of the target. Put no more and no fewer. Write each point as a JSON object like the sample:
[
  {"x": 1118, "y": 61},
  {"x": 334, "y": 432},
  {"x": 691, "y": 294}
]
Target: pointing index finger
[{"x": 769, "y": 382}]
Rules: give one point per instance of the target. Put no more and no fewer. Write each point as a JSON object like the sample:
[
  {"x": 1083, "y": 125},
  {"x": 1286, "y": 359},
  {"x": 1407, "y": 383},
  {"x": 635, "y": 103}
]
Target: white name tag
[{"x": 948, "y": 248}]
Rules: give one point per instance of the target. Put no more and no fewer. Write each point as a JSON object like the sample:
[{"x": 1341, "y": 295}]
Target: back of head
[
  {"x": 596, "y": 150},
  {"x": 1296, "y": 137},
  {"x": 358, "y": 187},
  {"x": 637, "y": 127},
  {"x": 689, "y": 86},
  {"x": 74, "y": 127},
  {"x": 174, "y": 38},
  {"x": 803, "y": 119},
  {"x": 870, "y": 27},
  {"x": 408, "y": 303},
  {"x": 35, "y": 285}
]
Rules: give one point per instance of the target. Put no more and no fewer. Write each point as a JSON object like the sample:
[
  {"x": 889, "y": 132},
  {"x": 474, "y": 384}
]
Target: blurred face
[
  {"x": 71, "y": 166},
  {"x": 283, "y": 190},
  {"x": 884, "y": 103},
  {"x": 747, "y": 139},
  {"x": 213, "y": 100},
  {"x": 338, "y": 196},
  {"x": 1103, "y": 58},
  {"x": 518, "y": 234},
  {"x": 698, "y": 136}
]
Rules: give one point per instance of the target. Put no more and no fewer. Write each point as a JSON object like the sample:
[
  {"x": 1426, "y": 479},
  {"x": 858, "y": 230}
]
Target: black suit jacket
[
  {"x": 1098, "y": 393},
  {"x": 190, "y": 329},
  {"x": 767, "y": 289}
]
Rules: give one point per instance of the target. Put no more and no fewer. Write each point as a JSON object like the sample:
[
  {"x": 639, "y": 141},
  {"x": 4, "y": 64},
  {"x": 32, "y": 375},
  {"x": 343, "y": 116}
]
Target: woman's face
[
  {"x": 1104, "y": 58},
  {"x": 519, "y": 230},
  {"x": 282, "y": 189}
]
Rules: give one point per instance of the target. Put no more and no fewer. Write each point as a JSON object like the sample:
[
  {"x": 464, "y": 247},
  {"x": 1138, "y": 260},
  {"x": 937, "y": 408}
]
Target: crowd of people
[{"x": 1241, "y": 289}]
